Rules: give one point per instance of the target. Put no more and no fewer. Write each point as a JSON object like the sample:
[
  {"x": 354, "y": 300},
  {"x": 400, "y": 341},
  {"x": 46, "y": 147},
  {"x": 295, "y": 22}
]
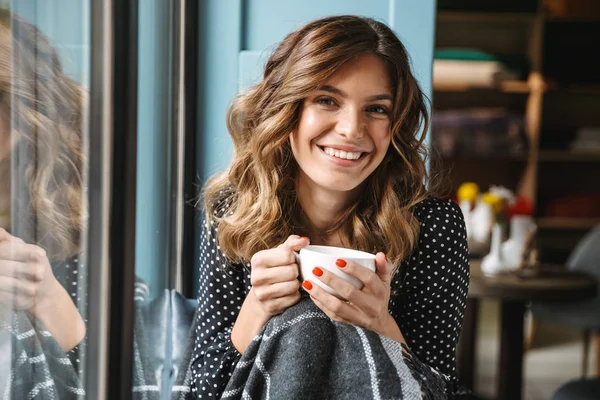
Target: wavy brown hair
[
  {"x": 261, "y": 208},
  {"x": 44, "y": 107}
]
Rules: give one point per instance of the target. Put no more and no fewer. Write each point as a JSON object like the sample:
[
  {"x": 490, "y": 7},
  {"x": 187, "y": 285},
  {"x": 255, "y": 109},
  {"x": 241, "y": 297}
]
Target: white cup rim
[{"x": 331, "y": 250}]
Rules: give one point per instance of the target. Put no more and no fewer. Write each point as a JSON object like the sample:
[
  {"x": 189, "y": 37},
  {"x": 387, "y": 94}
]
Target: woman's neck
[{"x": 322, "y": 208}]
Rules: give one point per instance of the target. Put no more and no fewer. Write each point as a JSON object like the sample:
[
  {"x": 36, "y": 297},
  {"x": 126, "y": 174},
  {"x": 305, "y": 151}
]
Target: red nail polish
[
  {"x": 386, "y": 259},
  {"x": 317, "y": 271},
  {"x": 304, "y": 237},
  {"x": 340, "y": 263},
  {"x": 307, "y": 285}
]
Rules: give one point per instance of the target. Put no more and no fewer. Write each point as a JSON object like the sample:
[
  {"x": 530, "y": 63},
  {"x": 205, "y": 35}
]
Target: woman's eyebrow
[
  {"x": 334, "y": 90},
  {"x": 381, "y": 97}
]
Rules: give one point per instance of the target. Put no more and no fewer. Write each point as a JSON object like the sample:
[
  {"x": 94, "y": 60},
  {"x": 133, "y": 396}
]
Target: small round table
[{"x": 513, "y": 291}]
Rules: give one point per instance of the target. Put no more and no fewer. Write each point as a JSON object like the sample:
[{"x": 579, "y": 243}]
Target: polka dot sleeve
[
  {"x": 432, "y": 290},
  {"x": 221, "y": 294},
  {"x": 71, "y": 275}
]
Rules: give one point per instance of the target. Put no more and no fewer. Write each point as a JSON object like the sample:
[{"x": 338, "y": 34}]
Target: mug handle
[{"x": 297, "y": 256}]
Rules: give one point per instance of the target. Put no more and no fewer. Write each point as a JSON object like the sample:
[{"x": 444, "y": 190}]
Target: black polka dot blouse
[
  {"x": 72, "y": 276},
  {"x": 428, "y": 299}
]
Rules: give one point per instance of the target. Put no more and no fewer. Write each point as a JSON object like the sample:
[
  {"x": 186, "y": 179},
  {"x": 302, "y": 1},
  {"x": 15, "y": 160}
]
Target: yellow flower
[
  {"x": 493, "y": 200},
  {"x": 468, "y": 191}
]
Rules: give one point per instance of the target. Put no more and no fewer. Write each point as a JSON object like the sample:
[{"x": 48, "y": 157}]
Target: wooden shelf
[
  {"x": 503, "y": 87},
  {"x": 552, "y": 103},
  {"x": 566, "y": 223},
  {"x": 581, "y": 18},
  {"x": 495, "y": 157},
  {"x": 483, "y": 17},
  {"x": 517, "y": 87},
  {"x": 592, "y": 88},
  {"x": 569, "y": 156},
  {"x": 543, "y": 156}
]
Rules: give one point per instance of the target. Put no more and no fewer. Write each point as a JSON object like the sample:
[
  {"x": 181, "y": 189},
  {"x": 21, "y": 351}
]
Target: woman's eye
[
  {"x": 378, "y": 110},
  {"x": 326, "y": 101}
]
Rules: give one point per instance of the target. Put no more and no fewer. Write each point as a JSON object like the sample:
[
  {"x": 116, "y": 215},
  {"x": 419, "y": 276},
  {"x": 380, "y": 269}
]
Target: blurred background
[{"x": 516, "y": 103}]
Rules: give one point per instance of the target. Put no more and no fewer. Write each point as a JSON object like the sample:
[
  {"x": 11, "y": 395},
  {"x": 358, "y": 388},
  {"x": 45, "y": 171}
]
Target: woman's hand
[
  {"x": 274, "y": 276},
  {"x": 366, "y": 307},
  {"x": 275, "y": 287},
  {"x": 28, "y": 283},
  {"x": 26, "y": 278}
]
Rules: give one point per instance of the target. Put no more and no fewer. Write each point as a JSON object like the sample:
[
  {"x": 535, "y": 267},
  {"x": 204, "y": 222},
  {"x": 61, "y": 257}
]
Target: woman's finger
[
  {"x": 14, "y": 269},
  {"x": 295, "y": 243},
  {"x": 33, "y": 272},
  {"x": 276, "y": 290},
  {"x": 21, "y": 252},
  {"x": 17, "y": 286},
  {"x": 332, "y": 306},
  {"x": 273, "y": 258},
  {"x": 370, "y": 279},
  {"x": 328, "y": 312},
  {"x": 345, "y": 289},
  {"x": 4, "y": 235},
  {"x": 270, "y": 275},
  {"x": 383, "y": 268},
  {"x": 279, "y": 305},
  {"x": 16, "y": 301}
]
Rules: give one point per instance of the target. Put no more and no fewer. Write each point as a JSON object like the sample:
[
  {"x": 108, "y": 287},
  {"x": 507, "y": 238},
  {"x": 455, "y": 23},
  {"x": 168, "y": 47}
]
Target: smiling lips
[{"x": 342, "y": 154}]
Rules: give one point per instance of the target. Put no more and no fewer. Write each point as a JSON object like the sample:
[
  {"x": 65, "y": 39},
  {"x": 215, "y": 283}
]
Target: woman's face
[{"x": 344, "y": 128}]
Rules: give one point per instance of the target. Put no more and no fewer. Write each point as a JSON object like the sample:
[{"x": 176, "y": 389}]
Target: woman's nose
[{"x": 350, "y": 123}]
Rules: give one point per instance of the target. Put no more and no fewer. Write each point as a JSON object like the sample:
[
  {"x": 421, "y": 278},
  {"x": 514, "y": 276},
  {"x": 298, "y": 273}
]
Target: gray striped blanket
[
  {"x": 302, "y": 354},
  {"x": 34, "y": 366}
]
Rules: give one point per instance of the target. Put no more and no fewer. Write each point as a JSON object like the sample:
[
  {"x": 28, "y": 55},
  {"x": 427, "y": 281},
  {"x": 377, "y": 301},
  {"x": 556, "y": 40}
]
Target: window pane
[
  {"x": 153, "y": 172},
  {"x": 44, "y": 73},
  {"x": 152, "y": 341}
]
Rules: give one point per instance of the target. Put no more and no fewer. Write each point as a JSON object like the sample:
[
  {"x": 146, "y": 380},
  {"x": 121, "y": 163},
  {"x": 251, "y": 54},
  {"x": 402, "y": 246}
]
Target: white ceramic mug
[{"x": 325, "y": 257}]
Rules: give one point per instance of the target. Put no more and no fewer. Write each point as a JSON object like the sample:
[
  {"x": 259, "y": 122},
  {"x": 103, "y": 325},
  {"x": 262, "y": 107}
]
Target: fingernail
[
  {"x": 317, "y": 271},
  {"x": 340, "y": 263},
  {"x": 304, "y": 237},
  {"x": 386, "y": 259},
  {"x": 307, "y": 285}
]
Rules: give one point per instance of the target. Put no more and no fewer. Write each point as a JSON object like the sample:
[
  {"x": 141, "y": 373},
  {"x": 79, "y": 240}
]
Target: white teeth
[{"x": 346, "y": 155}]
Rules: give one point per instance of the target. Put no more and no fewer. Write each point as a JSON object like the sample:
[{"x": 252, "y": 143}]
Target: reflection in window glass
[
  {"x": 43, "y": 209},
  {"x": 152, "y": 353}
]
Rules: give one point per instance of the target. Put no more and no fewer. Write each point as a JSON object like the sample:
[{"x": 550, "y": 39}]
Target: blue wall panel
[
  {"x": 220, "y": 39},
  {"x": 414, "y": 23},
  {"x": 269, "y": 21},
  {"x": 66, "y": 23}
]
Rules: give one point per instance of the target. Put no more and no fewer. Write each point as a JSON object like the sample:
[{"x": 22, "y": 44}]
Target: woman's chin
[{"x": 338, "y": 186}]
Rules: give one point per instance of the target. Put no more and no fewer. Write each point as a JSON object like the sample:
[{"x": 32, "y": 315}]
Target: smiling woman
[{"x": 329, "y": 146}]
